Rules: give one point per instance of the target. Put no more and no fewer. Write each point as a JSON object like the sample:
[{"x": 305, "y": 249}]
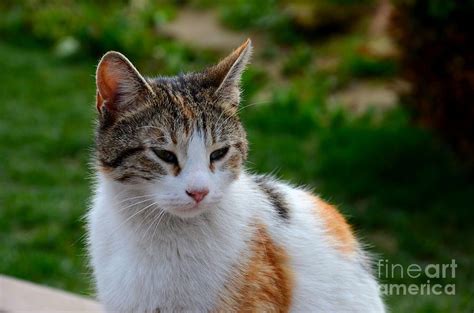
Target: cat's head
[{"x": 179, "y": 139}]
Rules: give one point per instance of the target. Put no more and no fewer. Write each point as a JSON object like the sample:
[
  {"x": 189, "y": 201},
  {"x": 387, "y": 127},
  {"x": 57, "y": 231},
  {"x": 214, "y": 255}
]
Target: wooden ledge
[{"x": 17, "y": 296}]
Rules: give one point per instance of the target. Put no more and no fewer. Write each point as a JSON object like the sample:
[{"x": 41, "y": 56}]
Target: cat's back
[{"x": 312, "y": 251}]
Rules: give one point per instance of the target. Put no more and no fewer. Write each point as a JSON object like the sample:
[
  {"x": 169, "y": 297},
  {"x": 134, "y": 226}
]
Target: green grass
[
  {"x": 402, "y": 189},
  {"x": 45, "y": 137}
]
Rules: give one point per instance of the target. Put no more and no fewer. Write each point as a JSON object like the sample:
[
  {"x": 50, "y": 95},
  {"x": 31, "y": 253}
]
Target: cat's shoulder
[{"x": 295, "y": 205}]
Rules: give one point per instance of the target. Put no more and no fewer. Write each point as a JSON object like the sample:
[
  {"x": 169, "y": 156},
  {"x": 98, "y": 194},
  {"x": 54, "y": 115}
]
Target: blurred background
[{"x": 368, "y": 101}]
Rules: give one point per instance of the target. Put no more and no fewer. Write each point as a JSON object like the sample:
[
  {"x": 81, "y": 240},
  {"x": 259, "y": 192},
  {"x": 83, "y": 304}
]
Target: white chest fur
[{"x": 182, "y": 267}]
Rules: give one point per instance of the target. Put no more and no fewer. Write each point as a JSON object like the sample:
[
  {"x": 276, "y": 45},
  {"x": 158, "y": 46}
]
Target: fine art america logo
[{"x": 431, "y": 277}]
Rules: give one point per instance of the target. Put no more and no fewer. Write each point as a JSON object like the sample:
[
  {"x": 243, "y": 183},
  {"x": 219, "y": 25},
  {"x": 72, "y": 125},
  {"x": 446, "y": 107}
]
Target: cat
[{"x": 178, "y": 225}]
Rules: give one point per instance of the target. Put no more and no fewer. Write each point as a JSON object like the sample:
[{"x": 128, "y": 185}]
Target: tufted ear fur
[
  {"x": 118, "y": 83},
  {"x": 227, "y": 73}
]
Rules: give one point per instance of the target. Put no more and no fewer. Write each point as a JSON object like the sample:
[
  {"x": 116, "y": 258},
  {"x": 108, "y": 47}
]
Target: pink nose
[{"x": 197, "y": 195}]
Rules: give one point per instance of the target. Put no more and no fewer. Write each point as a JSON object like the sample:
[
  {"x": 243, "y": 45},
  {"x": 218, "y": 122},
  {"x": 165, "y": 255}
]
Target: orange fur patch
[
  {"x": 336, "y": 226},
  {"x": 264, "y": 283}
]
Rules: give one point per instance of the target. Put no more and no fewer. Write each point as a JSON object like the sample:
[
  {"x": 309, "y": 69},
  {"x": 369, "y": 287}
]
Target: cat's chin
[{"x": 188, "y": 211}]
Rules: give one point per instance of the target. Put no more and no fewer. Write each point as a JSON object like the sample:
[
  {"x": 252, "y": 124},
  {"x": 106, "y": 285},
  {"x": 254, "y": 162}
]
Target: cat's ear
[
  {"x": 118, "y": 83},
  {"x": 226, "y": 75}
]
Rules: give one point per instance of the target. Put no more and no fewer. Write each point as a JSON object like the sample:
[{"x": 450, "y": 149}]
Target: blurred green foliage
[
  {"x": 96, "y": 27},
  {"x": 288, "y": 22},
  {"x": 46, "y": 120},
  {"x": 403, "y": 189},
  {"x": 84, "y": 29},
  {"x": 359, "y": 65},
  {"x": 264, "y": 15}
]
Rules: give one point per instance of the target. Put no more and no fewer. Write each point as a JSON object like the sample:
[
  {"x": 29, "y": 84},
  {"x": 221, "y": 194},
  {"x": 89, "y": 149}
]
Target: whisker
[
  {"x": 133, "y": 204},
  {"x": 162, "y": 216},
  {"x": 119, "y": 194},
  {"x": 156, "y": 219},
  {"x": 131, "y": 198},
  {"x": 132, "y": 216}
]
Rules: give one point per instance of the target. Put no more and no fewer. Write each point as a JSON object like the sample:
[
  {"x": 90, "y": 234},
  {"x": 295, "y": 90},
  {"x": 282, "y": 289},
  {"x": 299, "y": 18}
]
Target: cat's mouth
[
  {"x": 192, "y": 207},
  {"x": 186, "y": 209},
  {"x": 191, "y": 210}
]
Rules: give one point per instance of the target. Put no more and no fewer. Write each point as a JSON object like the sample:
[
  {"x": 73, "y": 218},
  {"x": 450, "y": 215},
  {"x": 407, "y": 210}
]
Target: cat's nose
[{"x": 197, "y": 195}]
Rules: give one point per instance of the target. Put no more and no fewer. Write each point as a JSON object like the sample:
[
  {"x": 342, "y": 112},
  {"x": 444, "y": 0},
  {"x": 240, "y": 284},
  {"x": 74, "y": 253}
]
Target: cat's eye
[
  {"x": 167, "y": 156},
  {"x": 219, "y": 154}
]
